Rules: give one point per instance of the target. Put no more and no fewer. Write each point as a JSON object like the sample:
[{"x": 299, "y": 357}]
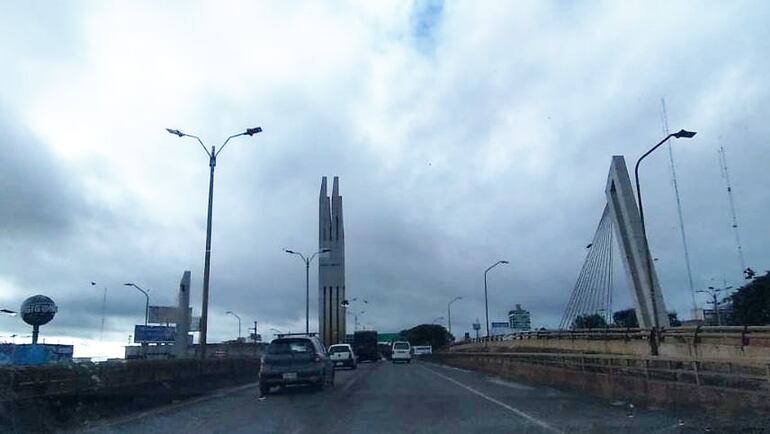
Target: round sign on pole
[{"x": 36, "y": 311}]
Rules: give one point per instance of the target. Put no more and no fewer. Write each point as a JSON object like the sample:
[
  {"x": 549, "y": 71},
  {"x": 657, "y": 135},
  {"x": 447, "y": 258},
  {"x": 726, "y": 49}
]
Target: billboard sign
[
  {"x": 154, "y": 334},
  {"x": 34, "y": 354},
  {"x": 164, "y": 314}
]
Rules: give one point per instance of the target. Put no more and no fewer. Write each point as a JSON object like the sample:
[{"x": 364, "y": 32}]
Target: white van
[{"x": 402, "y": 352}]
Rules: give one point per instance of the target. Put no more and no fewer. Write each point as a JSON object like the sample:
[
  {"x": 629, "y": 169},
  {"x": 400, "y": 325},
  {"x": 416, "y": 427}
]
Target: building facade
[
  {"x": 331, "y": 266},
  {"x": 519, "y": 319}
]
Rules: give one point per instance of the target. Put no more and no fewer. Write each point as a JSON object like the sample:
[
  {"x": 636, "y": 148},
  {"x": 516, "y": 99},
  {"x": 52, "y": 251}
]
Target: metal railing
[{"x": 739, "y": 335}]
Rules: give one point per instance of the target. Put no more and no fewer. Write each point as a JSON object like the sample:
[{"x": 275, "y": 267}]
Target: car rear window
[
  {"x": 289, "y": 346},
  {"x": 339, "y": 350},
  {"x": 401, "y": 346}
]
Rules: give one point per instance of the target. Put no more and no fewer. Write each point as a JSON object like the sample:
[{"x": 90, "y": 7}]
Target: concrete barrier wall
[{"x": 653, "y": 381}]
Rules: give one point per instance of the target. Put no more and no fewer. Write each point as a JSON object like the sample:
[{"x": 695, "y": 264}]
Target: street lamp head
[
  {"x": 711, "y": 287},
  {"x": 289, "y": 251},
  {"x": 175, "y": 132},
  {"x": 504, "y": 262},
  {"x": 252, "y": 131},
  {"x": 326, "y": 250},
  {"x": 684, "y": 134},
  {"x": 345, "y": 303},
  {"x": 128, "y": 284}
]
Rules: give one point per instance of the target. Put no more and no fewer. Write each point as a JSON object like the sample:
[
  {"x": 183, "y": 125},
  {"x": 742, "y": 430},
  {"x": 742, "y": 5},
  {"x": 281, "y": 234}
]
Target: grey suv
[{"x": 295, "y": 359}]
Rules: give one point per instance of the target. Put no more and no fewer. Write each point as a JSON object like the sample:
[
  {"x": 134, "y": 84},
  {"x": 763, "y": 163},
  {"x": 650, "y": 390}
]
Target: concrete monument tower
[
  {"x": 331, "y": 266},
  {"x": 633, "y": 248}
]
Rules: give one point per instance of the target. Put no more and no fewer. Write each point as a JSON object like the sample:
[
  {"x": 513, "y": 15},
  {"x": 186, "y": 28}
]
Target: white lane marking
[
  {"x": 499, "y": 382},
  {"x": 516, "y": 411}
]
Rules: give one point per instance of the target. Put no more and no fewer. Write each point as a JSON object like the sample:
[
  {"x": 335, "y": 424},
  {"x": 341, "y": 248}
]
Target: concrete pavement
[{"x": 415, "y": 398}]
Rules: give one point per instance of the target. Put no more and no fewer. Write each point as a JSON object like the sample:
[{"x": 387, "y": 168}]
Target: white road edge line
[{"x": 516, "y": 411}]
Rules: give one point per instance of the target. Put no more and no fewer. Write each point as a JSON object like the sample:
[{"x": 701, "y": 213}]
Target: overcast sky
[{"x": 462, "y": 133}]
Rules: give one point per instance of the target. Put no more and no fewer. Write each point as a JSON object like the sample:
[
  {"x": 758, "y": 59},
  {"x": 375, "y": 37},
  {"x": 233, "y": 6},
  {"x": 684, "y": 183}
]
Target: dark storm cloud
[{"x": 37, "y": 195}]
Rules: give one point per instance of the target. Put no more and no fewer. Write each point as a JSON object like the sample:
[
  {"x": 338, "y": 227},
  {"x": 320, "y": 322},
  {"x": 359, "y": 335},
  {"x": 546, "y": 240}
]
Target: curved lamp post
[
  {"x": 449, "y": 313},
  {"x": 146, "y": 301},
  {"x": 679, "y": 135},
  {"x": 486, "y": 301},
  {"x": 229, "y": 312}
]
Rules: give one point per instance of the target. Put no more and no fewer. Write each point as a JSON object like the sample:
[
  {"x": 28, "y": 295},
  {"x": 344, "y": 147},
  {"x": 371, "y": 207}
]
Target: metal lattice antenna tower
[
  {"x": 726, "y": 176},
  {"x": 674, "y": 182}
]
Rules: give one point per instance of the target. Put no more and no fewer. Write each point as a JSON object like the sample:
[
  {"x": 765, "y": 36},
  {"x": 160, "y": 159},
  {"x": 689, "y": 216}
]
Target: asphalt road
[{"x": 415, "y": 398}]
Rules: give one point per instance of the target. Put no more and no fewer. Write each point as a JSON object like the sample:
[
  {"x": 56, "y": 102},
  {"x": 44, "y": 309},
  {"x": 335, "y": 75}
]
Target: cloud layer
[{"x": 462, "y": 133}]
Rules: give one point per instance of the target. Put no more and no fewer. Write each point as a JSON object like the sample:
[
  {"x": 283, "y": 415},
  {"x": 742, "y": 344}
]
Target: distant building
[{"x": 519, "y": 319}]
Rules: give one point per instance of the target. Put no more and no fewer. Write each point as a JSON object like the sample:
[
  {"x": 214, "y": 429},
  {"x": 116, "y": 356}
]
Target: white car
[
  {"x": 402, "y": 352},
  {"x": 343, "y": 355}
]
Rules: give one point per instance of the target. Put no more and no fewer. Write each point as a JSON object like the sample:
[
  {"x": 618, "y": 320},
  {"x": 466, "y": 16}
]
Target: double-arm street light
[
  {"x": 714, "y": 293},
  {"x": 486, "y": 301},
  {"x": 147, "y": 300},
  {"x": 679, "y": 135},
  {"x": 229, "y": 312},
  {"x": 307, "y": 262},
  {"x": 449, "y": 313},
  {"x": 213, "y": 154}
]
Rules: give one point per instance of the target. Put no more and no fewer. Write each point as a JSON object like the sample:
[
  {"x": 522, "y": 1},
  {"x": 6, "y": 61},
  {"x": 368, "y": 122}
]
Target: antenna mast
[
  {"x": 664, "y": 121},
  {"x": 726, "y": 176}
]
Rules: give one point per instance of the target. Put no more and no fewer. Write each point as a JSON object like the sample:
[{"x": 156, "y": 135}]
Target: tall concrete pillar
[
  {"x": 183, "y": 317},
  {"x": 331, "y": 266},
  {"x": 627, "y": 222}
]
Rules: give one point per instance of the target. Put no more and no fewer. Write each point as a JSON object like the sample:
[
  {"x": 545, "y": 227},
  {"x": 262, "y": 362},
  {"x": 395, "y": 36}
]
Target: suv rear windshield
[
  {"x": 339, "y": 350},
  {"x": 289, "y": 346},
  {"x": 401, "y": 346}
]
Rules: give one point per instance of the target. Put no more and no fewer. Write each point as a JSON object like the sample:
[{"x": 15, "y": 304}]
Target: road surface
[{"x": 405, "y": 398}]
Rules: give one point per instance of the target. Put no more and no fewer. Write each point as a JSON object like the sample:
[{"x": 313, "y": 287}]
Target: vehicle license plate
[
  {"x": 337, "y": 363},
  {"x": 290, "y": 376}
]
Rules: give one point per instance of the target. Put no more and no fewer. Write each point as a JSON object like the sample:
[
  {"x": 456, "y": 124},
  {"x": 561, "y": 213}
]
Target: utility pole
[
  {"x": 728, "y": 186},
  {"x": 674, "y": 181}
]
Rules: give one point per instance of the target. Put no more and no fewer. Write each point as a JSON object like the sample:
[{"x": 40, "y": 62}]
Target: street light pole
[
  {"x": 486, "y": 300},
  {"x": 680, "y": 134},
  {"x": 713, "y": 293},
  {"x": 146, "y": 302},
  {"x": 449, "y": 313},
  {"x": 307, "y": 262},
  {"x": 207, "y": 259},
  {"x": 229, "y": 312}
]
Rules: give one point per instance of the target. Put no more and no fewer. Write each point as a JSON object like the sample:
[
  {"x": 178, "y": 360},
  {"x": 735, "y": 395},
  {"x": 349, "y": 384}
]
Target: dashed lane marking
[{"x": 514, "y": 410}]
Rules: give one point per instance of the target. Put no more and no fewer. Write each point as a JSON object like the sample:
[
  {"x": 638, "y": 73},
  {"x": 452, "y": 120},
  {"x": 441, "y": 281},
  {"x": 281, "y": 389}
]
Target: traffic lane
[
  {"x": 576, "y": 412},
  {"x": 407, "y": 398},
  {"x": 243, "y": 410}
]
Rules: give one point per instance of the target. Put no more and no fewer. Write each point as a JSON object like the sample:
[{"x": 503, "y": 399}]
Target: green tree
[
  {"x": 751, "y": 303},
  {"x": 428, "y": 334},
  {"x": 625, "y": 318},
  {"x": 587, "y": 321}
]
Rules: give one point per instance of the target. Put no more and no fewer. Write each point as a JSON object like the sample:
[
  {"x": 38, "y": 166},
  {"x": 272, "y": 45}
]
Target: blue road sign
[{"x": 153, "y": 334}]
